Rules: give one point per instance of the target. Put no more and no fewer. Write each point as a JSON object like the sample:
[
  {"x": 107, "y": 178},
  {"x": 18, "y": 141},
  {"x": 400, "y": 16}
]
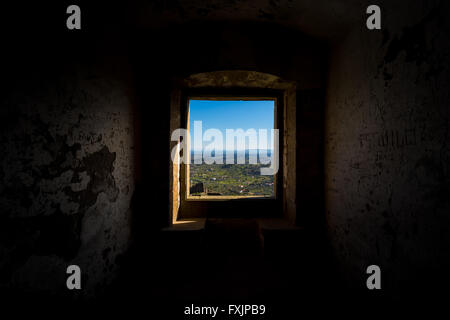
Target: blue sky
[{"x": 235, "y": 114}]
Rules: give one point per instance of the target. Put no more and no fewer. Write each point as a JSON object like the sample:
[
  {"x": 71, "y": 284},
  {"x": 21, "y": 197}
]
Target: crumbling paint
[{"x": 67, "y": 179}]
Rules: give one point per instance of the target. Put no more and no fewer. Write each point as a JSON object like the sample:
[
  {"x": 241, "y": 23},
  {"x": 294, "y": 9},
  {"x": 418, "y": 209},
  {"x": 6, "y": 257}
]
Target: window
[
  {"x": 231, "y": 148},
  {"x": 207, "y": 201}
]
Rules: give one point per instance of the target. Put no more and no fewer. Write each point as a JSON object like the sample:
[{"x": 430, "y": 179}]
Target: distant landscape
[{"x": 231, "y": 179}]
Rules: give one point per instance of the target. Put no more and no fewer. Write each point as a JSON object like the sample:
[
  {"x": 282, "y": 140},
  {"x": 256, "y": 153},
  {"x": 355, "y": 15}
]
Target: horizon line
[{"x": 233, "y": 149}]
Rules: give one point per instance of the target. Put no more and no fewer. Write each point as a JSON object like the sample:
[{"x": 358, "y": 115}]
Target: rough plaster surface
[
  {"x": 387, "y": 152},
  {"x": 326, "y": 18},
  {"x": 67, "y": 179},
  {"x": 237, "y": 78}
]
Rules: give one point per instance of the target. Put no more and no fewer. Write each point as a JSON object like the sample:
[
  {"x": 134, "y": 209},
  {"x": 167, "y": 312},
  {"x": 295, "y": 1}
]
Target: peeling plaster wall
[
  {"x": 67, "y": 171},
  {"x": 387, "y": 148}
]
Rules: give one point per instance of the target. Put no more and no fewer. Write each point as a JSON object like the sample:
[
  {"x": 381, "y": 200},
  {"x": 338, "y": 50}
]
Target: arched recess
[{"x": 241, "y": 81}]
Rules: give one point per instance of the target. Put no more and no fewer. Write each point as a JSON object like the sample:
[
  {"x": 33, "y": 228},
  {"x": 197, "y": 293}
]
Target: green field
[{"x": 232, "y": 179}]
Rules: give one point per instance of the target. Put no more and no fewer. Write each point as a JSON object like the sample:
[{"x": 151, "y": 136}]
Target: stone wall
[
  {"x": 387, "y": 148},
  {"x": 67, "y": 172}
]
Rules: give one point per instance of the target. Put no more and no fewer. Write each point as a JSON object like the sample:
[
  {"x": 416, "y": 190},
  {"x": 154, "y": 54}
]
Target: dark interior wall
[
  {"x": 68, "y": 159},
  {"x": 310, "y": 159},
  {"x": 85, "y": 129},
  {"x": 387, "y": 152}
]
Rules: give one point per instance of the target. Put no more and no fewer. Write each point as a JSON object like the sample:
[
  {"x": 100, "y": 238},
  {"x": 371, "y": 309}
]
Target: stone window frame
[{"x": 236, "y": 84}]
